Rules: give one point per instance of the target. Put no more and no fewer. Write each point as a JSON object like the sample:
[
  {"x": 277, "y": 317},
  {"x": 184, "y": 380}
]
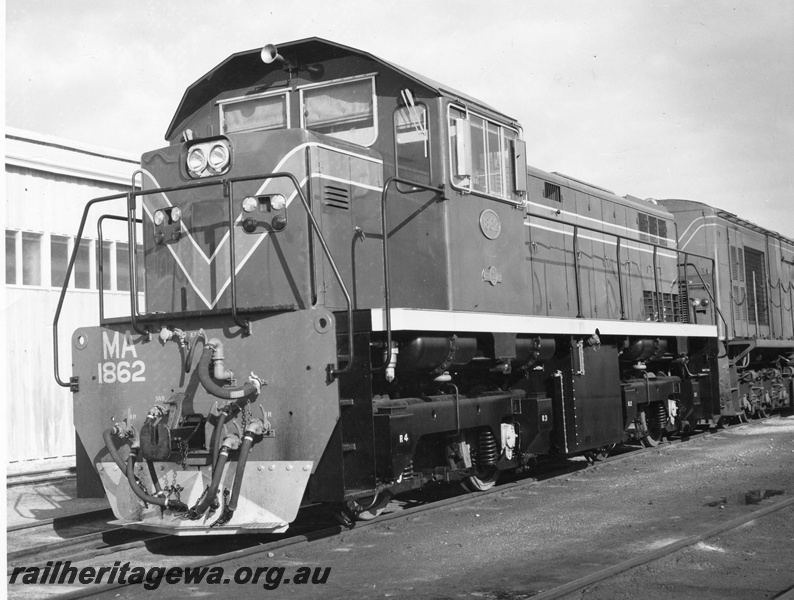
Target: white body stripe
[
  {"x": 199, "y": 253},
  {"x": 411, "y": 319},
  {"x": 627, "y": 245},
  {"x": 599, "y": 222}
]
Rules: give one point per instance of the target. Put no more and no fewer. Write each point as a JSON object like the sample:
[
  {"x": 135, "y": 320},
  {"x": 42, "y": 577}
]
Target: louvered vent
[
  {"x": 552, "y": 192},
  {"x": 337, "y": 197}
]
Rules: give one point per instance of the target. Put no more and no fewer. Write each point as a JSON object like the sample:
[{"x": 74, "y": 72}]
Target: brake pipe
[
  {"x": 166, "y": 503},
  {"x": 213, "y": 353},
  {"x": 255, "y": 428},
  {"x": 107, "y": 435},
  {"x": 200, "y": 337},
  {"x": 232, "y": 442}
]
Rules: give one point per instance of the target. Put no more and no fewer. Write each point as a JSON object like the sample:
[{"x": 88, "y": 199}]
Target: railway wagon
[
  {"x": 355, "y": 286},
  {"x": 753, "y": 284}
]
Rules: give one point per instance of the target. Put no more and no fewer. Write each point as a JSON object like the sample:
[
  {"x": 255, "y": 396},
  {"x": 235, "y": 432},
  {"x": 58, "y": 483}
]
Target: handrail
[
  {"x": 133, "y": 257},
  {"x": 334, "y": 372},
  {"x": 708, "y": 290},
  {"x": 99, "y": 260},
  {"x": 131, "y": 220},
  {"x": 244, "y": 324},
  {"x": 68, "y": 276},
  {"x": 656, "y": 247},
  {"x": 384, "y": 231}
]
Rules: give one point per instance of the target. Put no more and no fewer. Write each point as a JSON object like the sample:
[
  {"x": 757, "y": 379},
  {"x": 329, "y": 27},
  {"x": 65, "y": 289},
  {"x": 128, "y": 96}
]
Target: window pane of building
[
  {"x": 104, "y": 266},
  {"x": 31, "y": 259},
  {"x": 11, "y": 257},
  {"x": 82, "y": 266},
  {"x": 122, "y": 267},
  {"x": 59, "y": 259},
  {"x": 141, "y": 280}
]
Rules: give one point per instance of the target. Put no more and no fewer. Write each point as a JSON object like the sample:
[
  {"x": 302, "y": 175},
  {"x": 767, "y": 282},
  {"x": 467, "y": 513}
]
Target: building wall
[{"x": 48, "y": 182}]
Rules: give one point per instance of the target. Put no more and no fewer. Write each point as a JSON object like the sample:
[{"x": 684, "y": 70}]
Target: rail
[
  {"x": 69, "y": 268},
  {"x": 384, "y": 232},
  {"x": 135, "y": 316},
  {"x": 100, "y": 272},
  {"x": 686, "y": 264}
]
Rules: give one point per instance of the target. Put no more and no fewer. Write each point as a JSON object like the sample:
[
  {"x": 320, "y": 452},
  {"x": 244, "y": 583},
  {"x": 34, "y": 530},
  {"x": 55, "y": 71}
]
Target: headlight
[
  {"x": 159, "y": 217},
  {"x": 196, "y": 161},
  {"x": 176, "y": 214},
  {"x": 250, "y": 204},
  {"x": 219, "y": 157},
  {"x": 278, "y": 202}
]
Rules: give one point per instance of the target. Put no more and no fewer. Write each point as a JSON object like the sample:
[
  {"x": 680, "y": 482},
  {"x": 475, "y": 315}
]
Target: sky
[{"x": 663, "y": 99}]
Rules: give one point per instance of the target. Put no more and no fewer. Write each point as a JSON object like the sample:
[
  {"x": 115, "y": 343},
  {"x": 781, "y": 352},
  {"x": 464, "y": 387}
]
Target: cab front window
[
  {"x": 344, "y": 110},
  {"x": 259, "y": 113}
]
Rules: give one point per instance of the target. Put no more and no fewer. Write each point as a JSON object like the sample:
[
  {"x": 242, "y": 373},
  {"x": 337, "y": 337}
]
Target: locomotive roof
[
  {"x": 649, "y": 206},
  {"x": 243, "y": 68},
  {"x": 728, "y": 216}
]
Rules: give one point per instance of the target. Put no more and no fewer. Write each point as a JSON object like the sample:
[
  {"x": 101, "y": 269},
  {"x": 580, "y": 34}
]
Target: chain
[
  {"x": 246, "y": 416},
  {"x": 183, "y": 447},
  {"x": 176, "y": 489}
]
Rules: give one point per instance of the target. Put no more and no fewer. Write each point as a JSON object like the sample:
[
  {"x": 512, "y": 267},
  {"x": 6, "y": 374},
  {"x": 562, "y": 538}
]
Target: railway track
[
  {"x": 313, "y": 524},
  {"x": 40, "y": 476},
  {"x": 649, "y": 557}
]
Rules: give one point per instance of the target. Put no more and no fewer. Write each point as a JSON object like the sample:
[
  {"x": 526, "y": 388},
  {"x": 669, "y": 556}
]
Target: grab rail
[
  {"x": 384, "y": 232},
  {"x": 131, "y": 196},
  {"x": 620, "y": 238}
]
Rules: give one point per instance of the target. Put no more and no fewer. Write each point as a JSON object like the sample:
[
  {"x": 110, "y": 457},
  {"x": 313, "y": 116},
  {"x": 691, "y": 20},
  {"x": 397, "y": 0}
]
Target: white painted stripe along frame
[{"x": 412, "y": 319}]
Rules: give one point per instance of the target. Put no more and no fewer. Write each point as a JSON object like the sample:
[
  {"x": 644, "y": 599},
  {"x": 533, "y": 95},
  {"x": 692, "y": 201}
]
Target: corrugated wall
[{"x": 39, "y": 205}]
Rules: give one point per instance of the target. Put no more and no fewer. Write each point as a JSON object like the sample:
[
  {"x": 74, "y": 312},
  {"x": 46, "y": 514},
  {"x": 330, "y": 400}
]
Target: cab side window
[
  {"x": 486, "y": 156},
  {"x": 412, "y": 143}
]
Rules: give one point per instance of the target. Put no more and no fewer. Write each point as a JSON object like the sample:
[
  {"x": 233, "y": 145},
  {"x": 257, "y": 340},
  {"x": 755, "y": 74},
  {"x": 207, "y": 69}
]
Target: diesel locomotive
[{"x": 353, "y": 285}]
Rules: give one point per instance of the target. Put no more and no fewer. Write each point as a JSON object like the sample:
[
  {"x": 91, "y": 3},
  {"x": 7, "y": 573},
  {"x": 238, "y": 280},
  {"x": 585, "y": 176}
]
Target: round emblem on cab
[{"x": 490, "y": 225}]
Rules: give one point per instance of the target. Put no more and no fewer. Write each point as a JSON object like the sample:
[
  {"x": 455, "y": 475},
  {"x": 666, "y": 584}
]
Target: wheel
[
  {"x": 652, "y": 439},
  {"x": 484, "y": 479},
  {"x": 369, "y": 508},
  {"x": 655, "y": 421}
]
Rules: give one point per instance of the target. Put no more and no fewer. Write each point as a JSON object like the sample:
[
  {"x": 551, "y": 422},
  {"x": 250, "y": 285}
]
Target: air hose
[
  {"x": 230, "y": 443},
  {"x": 107, "y": 435},
  {"x": 249, "y": 388},
  {"x": 245, "y": 449},
  {"x": 255, "y": 428}
]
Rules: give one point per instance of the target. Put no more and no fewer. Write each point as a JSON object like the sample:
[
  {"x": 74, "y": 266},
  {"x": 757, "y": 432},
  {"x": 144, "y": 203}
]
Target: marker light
[
  {"x": 218, "y": 157},
  {"x": 278, "y": 202},
  {"x": 250, "y": 204},
  {"x": 159, "y": 217}
]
